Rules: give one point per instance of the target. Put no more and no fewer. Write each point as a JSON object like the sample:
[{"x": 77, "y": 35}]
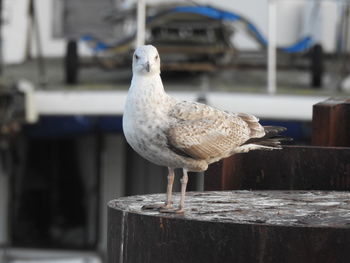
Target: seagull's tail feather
[
  {"x": 272, "y": 139},
  {"x": 256, "y": 130}
]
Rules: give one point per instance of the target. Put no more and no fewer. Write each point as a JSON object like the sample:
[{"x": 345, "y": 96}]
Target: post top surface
[
  {"x": 277, "y": 208},
  {"x": 334, "y": 101}
]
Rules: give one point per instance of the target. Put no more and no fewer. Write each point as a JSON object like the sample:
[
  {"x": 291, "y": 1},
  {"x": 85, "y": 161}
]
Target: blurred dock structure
[{"x": 233, "y": 90}]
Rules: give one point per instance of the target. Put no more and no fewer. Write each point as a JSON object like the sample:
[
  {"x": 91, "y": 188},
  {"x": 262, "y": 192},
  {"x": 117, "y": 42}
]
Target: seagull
[{"x": 184, "y": 134}]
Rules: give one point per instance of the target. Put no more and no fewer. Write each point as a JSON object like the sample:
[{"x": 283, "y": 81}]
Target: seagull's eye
[
  {"x": 137, "y": 57},
  {"x": 156, "y": 57}
]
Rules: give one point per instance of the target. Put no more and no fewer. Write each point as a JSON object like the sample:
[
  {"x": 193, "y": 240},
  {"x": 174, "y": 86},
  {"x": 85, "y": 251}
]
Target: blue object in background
[
  {"x": 299, "y": 131},
  {"x": 72, "y": 126},
  {"x": 301, "y": 45}
]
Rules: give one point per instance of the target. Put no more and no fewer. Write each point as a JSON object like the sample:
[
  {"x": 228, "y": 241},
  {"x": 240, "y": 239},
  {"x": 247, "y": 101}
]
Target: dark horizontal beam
[{"x": 294, "y": 167}]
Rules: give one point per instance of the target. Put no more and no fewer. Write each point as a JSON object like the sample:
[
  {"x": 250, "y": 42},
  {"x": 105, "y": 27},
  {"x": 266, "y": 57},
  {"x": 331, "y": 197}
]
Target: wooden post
[
  {"x": 294, "y": 167},
  {"x": 331, "y": 123},
  {"x": 235, "y": 226}
]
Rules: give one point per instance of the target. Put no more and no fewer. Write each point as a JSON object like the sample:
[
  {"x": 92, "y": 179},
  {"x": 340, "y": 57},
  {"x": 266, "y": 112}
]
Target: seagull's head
[{"x": 146, "y": 61}]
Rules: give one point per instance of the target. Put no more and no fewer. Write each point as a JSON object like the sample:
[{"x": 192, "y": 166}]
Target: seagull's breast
[{"x": 144, "y": 122}]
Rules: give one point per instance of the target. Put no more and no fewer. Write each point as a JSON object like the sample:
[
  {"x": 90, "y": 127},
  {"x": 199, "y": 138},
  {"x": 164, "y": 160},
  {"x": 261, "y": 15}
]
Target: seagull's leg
[
  {"x": 169, "y": 194},
  {"x": 183, "y": 181},
  {"x": 168, "y": 207},
  {"x": 180, "y": 210}
]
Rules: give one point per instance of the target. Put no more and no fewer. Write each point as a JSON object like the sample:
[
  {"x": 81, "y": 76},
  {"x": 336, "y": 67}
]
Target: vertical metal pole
[
  {"x": 4, "y": 185},
  {"x": 271, "y": 51},
  {"x": 141, "y": 23},
  {"x": 1, "y": 43},
  {"x": 40, "y": 57}
]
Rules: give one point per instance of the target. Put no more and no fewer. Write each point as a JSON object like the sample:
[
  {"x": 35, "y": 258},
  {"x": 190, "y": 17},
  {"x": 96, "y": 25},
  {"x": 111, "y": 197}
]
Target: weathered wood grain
[{"x": 234, "y": 226}]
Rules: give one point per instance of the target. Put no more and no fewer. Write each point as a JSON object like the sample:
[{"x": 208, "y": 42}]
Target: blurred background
[{"x": 65, "y": 67}]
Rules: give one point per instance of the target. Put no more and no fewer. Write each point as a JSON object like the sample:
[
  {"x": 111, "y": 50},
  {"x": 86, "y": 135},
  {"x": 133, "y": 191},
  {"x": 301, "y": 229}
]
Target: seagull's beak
[{"x": 147, "y": 66}]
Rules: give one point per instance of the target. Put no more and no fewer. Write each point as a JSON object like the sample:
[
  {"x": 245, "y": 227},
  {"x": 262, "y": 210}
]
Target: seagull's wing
[{"x": 203, "y": 132}]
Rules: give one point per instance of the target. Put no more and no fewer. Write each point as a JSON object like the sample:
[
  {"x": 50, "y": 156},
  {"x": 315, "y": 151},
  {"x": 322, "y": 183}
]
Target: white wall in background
[
  {"x": 290, "y": 24},
  {"x": 330, "y": 16},
  {"x": 254, "y": 10},
  {"x": 51, "y": 46},
  {"x": 290, "y": 21},
  {"x": 14, "y": 30}
]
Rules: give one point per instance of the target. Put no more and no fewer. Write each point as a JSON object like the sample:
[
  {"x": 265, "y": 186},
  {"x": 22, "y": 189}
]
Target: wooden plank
[
  {"x": 331, "y": 123},
  {"x": 294, "y": 167},
  {"x": 234, "y": 226}
]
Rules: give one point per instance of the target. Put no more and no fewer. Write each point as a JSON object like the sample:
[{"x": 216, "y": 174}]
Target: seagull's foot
[
  {"x": 156, "y": 206},
  {"x": 172, "y": 210},
  {"x": 152, "y": 207}
]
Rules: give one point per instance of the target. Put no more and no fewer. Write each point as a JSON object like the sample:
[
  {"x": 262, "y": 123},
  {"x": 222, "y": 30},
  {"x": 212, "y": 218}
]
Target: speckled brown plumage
[{"x": 207, "y": 133}]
